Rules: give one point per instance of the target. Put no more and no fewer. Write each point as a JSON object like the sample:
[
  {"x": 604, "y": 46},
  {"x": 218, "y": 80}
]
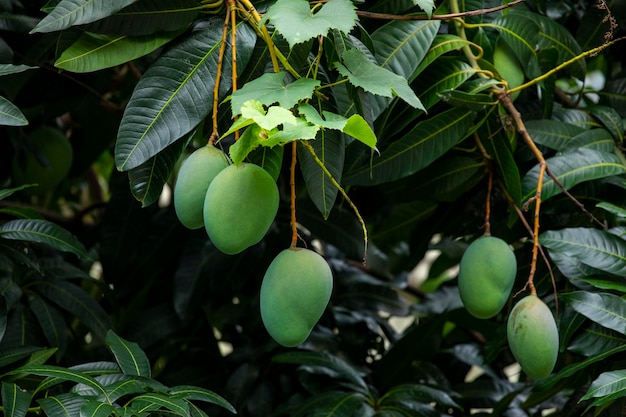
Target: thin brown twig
[
  {"x": 218, "y": 77},
  {"x": 232, "y": 6}
]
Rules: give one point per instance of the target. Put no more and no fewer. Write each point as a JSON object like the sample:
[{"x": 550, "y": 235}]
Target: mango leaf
[
  {"x": 428, "y": 6},
  {"x": 51, "y": 322},
  {"x": 7, "y": 192},
  {"x": 14, "y": 400},
  {"x": 62, "y": 405},
  {"x": 571, "y": 169},
  {"x": 442, "y": 76},
  {"x": 10, "y": 115},
  {"x": 552, "y": 133},
  {"x": 447, "y": 178},
  {"x": 521, "y": 32},
  {"x": 201, "y": 394},
  {"x": 361, "y": 72},
  {"x": 613, "y": 209},
  {"x": 598, "y": 139},
  {"x": 147, "y": 17},
  {"x": 63, "y": 374},
  {"x": 605, "y": 309},
  {"x": 596, "y": 248},
  {"x": 156, "y": 400},
  {"x": 271, "y": 88},
  {"x": 93, "y": 52},
  {"x": 614, "y": 95},
  {"x": 94, "y": 408},
  {"x": 129, "y": 356},
  {"x": 329, "y": 146},
  {"x": 43, "y": 231},
  {"x": 172, "y": 97},
  {"x": 426, "y": 142},
  {"x": 473, "y": 101},
  {"x": 607, "y": 387},
  {"x": 442, "y": 44},
  {"x": 76, "y": 12},
  {"x": 610, "y": 118},
  {"x": 325, "y": 361},
  {"x": 418, "y": 392},
  {"x": 296, "y": 22},
  {"x": 8, "y": 69}
]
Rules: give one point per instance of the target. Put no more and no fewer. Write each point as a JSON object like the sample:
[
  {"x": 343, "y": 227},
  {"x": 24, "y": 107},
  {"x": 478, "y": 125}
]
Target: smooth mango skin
[
  {"x": 295, "y": 291},
  {"x": 508, "y": 66},
  {"x": 239, "y": 208},
  {"x": 533, "y": 336},
  {"x": 194, "y": 177},
  {"x": 486, "y": 276}
]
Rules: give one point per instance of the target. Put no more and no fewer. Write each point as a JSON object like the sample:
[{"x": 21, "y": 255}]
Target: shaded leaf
[
  {"x": 62, "y": 374},
  {"x": 14, "y": 400},
  {"x": 93, "y": 408},
  {"x": 605, "y": 309},
  {"x": 441, "y": 76},
  {"x": 43, "y": 231},
  {"x": 62, "y": 405},
  {"x": 68, "y": 13},
  {"x": 611, "y": 120},
  {"x": 571, "y": 169},
  {"x": 7, "y": 69},
  {"x": 7, "y": 192},
  {"x": 10, "y": 115},
  {"x": 155, "y": 401},
  {"x": 521, "y": 32},
  {"x": 295, "y": 20},
  {"x": 597, "y": 139},
  {"x": 9, "y": 356},
  {"x": 419, "y": 392},
  {"x": 441, "y": 45},
  {"x": 51, "y": 322},
  {"x": 552, "y": 133},
  {"x": 129, "y": 356},
  {"x": 201, "y": 394}
]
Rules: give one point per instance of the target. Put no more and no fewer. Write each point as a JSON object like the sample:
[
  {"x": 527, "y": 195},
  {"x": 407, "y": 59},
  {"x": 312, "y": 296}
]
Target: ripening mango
[
  {"x": 486, "y": 276},
  {"x": 533, "y": 336},
  {"x": 194, "y": 177},
  {"x": 239, "y": 207},
  {"x": 295, "y": 291}
]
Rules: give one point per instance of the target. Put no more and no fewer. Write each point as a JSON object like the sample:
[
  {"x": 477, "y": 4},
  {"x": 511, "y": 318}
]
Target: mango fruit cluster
[
  {"x": 236, "y": 204},
  {"x": 486, "y": 276}
]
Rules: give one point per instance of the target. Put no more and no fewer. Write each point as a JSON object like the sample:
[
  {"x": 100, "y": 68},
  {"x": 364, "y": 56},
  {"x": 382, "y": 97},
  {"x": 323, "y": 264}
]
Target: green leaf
[
  {"x": 613, "y": 209},
  {"x": 295, "y": 20},
  {"x": 93, "y": 52},
  {"x": 428, "y": 6},
  {"x": 597, "y": 139},
  {"x": 43, "y": 231},
  {"x": 172, "y": 97},
  {"x": 443, "y": 75},
  {"x": 426, "y": 142},
  {"x": 362, "y": 72},
  {"x": 155, "y": 401},
  {"x": 418, "y": 392},
  {"x": 94, "y": 408},
  {"x": 268, "y": 119},
  {"x": 326, "y": 361},
  {"x": 271, "y": 88},
  {"x": 472, "y": 101},
  {"x": 607, "y": 387},
  {"x": 610, "y": 119},
  {"x": 201, "y": 394},
  {"x": 572, "y": 169},
  {"x": 8, "y": 69},
  {"x": 51, "y": 322},
  {"x": 441, "y": 45},
  {"x": 521, "y": 33},
  {"x": 608, "y": 310},
  {"x": 76, "y": 12},
  {"x": 596, "y": 248},
  {"x": 10, "y": 115},
  {"x": 355, "y": 126},
  {"x": 7, "y": 192},
  {"x": 62, "y": 374},
  {"x": 62, "y": 405},
  {"x": 14, "y": 400},
  {"x": 342, "y": 405},
  {"x": 9, "y": 356},
  {"x": 552, "y": 133},
  {"x": 447, "y": 178},
  {"x": 129, "y": 356},
  {"x": 76, "y": 301}
]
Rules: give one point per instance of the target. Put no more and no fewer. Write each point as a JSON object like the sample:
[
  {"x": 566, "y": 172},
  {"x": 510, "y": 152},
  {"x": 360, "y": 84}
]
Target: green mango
[
  {"x": 486, "y": 276},
  {"x": 295, "y": 291},
  {"x": 508, "y": 66},
  {"x": 239, "y": 207},
  {"x": 194, "y": 177},
  {"x": 533, "y": 336},
  {"x": 49, "y": 162}
]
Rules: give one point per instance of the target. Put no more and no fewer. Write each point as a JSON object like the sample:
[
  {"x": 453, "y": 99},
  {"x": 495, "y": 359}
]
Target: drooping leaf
[
  {"x": 175, "y": 93},
  {"x": 7, "y": 69},
  {"x": 94, "y": 408},
  {"x": 9, "y": 356},
  {"x": 68, "y": 13},
  {"x": 596, "y": 248},
  {"x": 611, "y": 120},
  {"x": 552, "y": 133},
  {"x": 14, "y": 400},
  {"x": 62, "y": 405},
  {"x": 441, "y": 45},
  {"x": 607, "y": 387},
  {"x": 156, "y": 400},
  {"x": 375, "y": 79},
  {"x": 10, "y": 115},
  {"x": 571, "y": 169},
  {"x": 597, "y": 139},
  {"x": 295, "y": 20},
  {"x": 92, "y": 52},
  {"x": 63, "y": 374},
  {"x": 43, "y": 231},
  {"x": 426, "y": 142},
  {"x": 201, "y": 394},
  {"x": 51, "y": 322},
  {"x": 129, "y": 356},
  {"x": 441, "y": 76},
  {"x": 605, "y": 309},
  {"x": 613, "y": 209}
]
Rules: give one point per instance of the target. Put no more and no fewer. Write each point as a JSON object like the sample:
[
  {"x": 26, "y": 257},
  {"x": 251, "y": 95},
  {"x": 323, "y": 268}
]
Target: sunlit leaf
[{"x": 155, "y": 400}]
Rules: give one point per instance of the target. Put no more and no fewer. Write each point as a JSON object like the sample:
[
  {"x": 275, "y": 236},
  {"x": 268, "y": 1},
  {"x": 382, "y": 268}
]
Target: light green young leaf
[
  {"x": 358, "y": 128},
  {"x": 295, "y": 20},
  {"x": 271, "y": 88},
  {"x": 76, "y": 12},
  {"x": 10, "y": 115},
  {"x": 355, "y": 126},
  {"x": 363, "y": 73},
  {"x": 273, "y": 117},
  {"x": 93, "y": 52},
  {"x": 129, "y": 356},
  {"x": 43, "y": 231}
]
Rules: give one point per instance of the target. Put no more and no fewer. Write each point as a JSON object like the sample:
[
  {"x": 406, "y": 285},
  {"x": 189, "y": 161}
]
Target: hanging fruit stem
[
  {"x": 218, "y": 77},
  {"x": 292, "y": 185}
]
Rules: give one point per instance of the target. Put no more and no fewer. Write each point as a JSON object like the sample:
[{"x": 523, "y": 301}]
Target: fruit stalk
[{"x": 292, "y": 186}]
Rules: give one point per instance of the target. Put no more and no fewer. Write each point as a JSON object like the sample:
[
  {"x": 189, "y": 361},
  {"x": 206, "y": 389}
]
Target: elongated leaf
[
  {"x": 329, "y": 148},
  {"x": 442, "y": 44},
  {"x": 43, "y": 231},
  {"x": 146, "y": 17},
  {"x": 63, "y": 374},
  {"x": 605, "y": 309},
  {"x": 76, "y": 12},
  {"x": 201, "y": 394},
  {"x": 498, "y": 146},
  {"x": 10, "y": 115},
  {"x": 175, "y": 93},
  {"x": 323, "y": 360},
  {"x": 342, "y": 405},
  {"x": 521, "y": 33},
  {"x": 93, "y": 408},
  {"x": 7, "y": 192},
  {"x": 447, "y": 178},
  {"x": 596, "y": 248},
  {"x": 9, "y": 356},
  {"x": 14, "y": 400},
  {"x": 597, "y": 139},
  {"x": 572, "y": 169},
  {"x": 295, "y": 20},
  {"x": 443, "y": 75},
  {"x": 611, "y": 383},
  {"x": 130, "y": 357},
  {"x": 426, "y": 142},
  {"x": 418, "y": 392},
  {"x": 611, "y": 120},
  {"x": 62, "y": 405},
  {"x": 123, "y": 386},
  {"x": 152, "y": 401},
  {"x": 93, "y": 52},
  {"x": 51, "y": 322},
  {"x": 77, "y": 302},
  {"x": 552, "y": 133}
]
